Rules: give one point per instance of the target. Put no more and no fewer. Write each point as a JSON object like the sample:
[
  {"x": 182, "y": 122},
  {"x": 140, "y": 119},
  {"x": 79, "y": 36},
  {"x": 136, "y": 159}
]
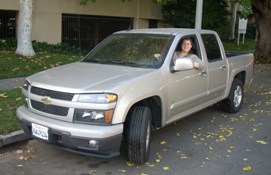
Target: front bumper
[{"x": 75, "y": 137}]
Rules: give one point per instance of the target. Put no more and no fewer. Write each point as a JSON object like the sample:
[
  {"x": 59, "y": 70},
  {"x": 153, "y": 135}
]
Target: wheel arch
[
  {"x": 154, "y": 103},
  {"x": 241, "y": 76}
]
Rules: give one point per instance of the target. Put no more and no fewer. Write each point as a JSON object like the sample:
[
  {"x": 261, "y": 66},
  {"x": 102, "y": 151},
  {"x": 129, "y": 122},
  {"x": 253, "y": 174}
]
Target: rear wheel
[
  {"x": 139, "y": 134},
  {"x": 235, "y": 99}
]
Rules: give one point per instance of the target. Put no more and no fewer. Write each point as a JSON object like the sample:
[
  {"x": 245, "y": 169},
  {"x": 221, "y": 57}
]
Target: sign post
[{"x": 242, "y": 28}]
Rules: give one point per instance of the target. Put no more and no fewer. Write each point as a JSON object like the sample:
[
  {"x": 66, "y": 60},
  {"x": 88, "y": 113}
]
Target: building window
[
  {"x": 153, "y": 23},
  {"x": 7, "y": 24},
  {"x": 86, "y": 31}
]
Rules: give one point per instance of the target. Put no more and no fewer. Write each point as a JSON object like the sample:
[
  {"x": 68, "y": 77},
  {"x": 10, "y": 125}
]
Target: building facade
[{"x": 56, "y": 21}]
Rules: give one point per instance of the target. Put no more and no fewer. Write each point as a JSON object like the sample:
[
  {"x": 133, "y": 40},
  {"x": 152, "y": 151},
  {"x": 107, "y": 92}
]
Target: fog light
[
  {"x": 94, "y": 145},
  {"x": 26, "y": 102}
]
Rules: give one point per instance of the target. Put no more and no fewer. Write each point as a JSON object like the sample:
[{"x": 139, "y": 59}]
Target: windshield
[{"x": 137, "y": 50}]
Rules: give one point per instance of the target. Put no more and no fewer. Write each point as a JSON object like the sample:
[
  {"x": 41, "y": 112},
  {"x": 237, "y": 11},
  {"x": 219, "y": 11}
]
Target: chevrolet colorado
[{"x": 128, "y": 86}]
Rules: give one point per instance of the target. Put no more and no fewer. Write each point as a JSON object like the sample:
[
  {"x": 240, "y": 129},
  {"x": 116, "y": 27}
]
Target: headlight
[
  {"x": 93, "y": 116},
  {"x": 97, "y": 98},
  {"x": 26, "y": 85}
]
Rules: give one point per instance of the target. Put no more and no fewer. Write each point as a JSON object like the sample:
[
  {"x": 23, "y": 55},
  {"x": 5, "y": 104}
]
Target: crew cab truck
[{"x": 128, "y": 86}]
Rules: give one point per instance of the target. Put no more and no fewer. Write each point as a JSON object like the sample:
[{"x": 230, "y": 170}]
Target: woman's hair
[{"x": 187, "y": 38}]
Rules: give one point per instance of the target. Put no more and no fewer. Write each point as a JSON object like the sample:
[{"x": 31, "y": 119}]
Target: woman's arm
[{"x": 197, "y": 62}]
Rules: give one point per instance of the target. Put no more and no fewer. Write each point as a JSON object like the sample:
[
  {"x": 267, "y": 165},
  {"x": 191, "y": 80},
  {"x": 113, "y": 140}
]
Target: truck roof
[{"x": 169, "y": 31}]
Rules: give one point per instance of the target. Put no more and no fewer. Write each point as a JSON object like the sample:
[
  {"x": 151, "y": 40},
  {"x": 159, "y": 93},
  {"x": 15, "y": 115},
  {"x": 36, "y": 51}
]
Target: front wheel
[
  {"x": 235, "y": 99},
  {"x": 139, "y": 134}
]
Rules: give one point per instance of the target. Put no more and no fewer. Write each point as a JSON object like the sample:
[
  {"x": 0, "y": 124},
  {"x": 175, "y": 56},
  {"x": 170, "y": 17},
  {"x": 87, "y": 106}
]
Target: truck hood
[{"x": 82, "y": 77}]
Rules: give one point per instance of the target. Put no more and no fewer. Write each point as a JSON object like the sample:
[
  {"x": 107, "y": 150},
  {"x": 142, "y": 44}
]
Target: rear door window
[{"x": 212, "y": 47}]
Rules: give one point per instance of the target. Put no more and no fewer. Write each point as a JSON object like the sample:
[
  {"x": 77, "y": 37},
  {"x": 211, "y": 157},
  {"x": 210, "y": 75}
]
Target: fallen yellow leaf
[
  {"x": 149, "y": 164},
  {"x": 247, "y": 168},
  {"x": 3, "y": 95},
  {"x": 165, "y": 168},
  {"x": 129, "y": 163},
  {"x": 19, "y": 151},
  {"x": 122, "y": 170},
  {"x": 19, "y": 98},
  {"x": 163, "y": 142},
  {"x": 92, "y": 171},
  {"x": 19, "y": 166},
  {"x": 159, "y": 156},
  {"x": 261, "y": 142}
]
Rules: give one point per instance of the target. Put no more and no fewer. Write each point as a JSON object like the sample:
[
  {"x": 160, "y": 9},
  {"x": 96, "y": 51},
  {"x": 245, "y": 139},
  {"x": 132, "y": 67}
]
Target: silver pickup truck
[{"x": 128, "y": 86}]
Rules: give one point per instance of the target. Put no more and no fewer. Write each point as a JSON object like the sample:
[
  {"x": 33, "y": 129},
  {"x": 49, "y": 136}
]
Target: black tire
[
  {"x": 235, "y": 99},
  {"x": 138, "y": 136}
]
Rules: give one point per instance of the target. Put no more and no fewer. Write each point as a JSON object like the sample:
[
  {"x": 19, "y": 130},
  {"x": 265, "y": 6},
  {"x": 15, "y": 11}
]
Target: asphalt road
[{"x": 210, "y": 142}]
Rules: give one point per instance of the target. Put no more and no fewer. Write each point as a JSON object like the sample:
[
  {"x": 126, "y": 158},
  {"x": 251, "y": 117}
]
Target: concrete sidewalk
[
  {"x": 11, "y": 83},
  {"x": 15, "y": 136}
]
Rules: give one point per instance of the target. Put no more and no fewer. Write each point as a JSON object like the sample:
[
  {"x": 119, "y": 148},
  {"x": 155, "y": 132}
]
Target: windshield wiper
[
  {"x": 115, "y": 62},
  {"x": 95, "y": 61},
  {"x": 122, "y": 62}
]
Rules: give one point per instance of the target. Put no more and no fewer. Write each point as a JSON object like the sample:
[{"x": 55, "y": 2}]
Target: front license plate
[{"x": 40, "y": 131}]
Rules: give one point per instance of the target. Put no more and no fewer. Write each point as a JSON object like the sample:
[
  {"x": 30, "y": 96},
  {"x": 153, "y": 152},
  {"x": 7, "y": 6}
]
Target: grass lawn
[
  {"x": 13, "y": 65},
  {"x": 10, "y": 101},
  {"x": 249, "y": 45}
]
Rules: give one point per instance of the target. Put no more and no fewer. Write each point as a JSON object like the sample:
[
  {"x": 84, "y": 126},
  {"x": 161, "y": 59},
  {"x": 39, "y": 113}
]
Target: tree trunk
[
  {"x": 24, "y": 39},
  {"x": 262, "y": 13},
  {"x": 233, "y": 19}
]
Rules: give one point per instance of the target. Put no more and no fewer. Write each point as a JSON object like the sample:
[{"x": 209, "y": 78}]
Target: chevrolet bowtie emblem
[{"x": 46, "y": 100}]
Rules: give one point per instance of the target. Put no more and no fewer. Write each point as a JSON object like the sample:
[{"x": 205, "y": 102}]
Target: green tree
[
  {"x": 262, "y": 14},
  {"x": 181, "y": 13}
]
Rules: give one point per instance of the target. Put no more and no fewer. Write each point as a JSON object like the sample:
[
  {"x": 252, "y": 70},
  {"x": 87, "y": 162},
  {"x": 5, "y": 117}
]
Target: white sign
[{"x": 242, "y": 28}]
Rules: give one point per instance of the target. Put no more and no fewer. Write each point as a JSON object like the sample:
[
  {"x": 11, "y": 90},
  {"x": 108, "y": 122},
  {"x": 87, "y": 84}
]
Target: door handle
[
  {"x": 202, "y": 73},
  {"x": 223, "y": 67}
]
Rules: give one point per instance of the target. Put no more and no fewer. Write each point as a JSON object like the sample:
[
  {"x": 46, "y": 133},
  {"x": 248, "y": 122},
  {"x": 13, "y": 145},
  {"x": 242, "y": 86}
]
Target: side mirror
[{"x": 182, "y": 64}]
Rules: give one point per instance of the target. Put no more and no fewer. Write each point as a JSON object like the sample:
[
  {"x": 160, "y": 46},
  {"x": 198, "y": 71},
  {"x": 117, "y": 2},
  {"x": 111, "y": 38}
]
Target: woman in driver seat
[{"x": 186, "y": 46}]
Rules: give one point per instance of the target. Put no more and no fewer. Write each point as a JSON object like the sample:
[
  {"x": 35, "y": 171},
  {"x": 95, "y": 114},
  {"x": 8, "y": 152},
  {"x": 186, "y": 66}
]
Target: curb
[{"x": 16, "y": 136}]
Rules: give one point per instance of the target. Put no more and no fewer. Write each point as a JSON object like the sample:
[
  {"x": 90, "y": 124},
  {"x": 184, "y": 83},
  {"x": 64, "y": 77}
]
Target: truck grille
[
  {"x": 52, "y": 94},
  {"x": 51, "y": 109}
]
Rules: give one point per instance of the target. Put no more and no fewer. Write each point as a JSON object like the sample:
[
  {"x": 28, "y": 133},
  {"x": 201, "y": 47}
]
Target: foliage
[
  {"x": 246, "y": 8},
  {"x": 61, "y": 48},
  {"x": 181, "y": 13},
  {"x": 84, "y": 2},
  {"x": 9, "y": 44},
  {"x": 10, "y": 101},
  {"x": 251, "y": 31}
]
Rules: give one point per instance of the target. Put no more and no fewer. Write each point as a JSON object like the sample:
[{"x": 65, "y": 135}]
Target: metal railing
[
  {"x": 86, "y": 32},
  {"x": 7, "y": 24}
]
